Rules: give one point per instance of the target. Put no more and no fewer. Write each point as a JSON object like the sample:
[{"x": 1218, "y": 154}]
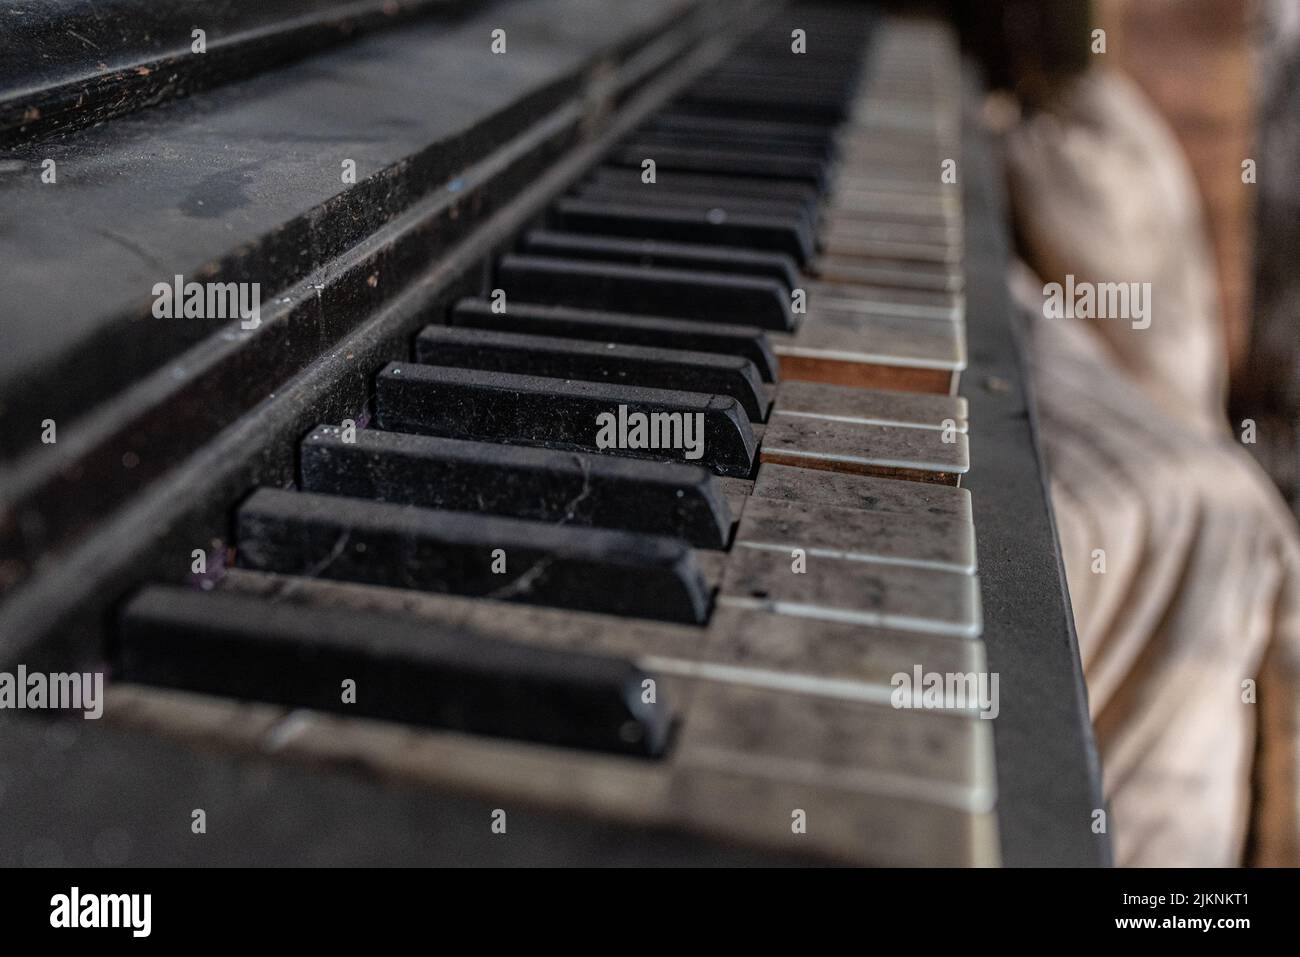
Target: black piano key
[
  {"x": 736, "y": 102},
  {"x": 299, "y": 655},
  {"x": 650, "y": 142},
  {"x": 649, "y": 219},
  {"x": 741, "y": 85},
  {"x": 404, "y": 546},
  {"x": 664, "y": 194},
  {"x": 557, "y": 358},
  {"x": 649, "y": 252},
  {"x": 747, "y": 341},
  {"x": 759, "y": 70},
  {"x": 727, "y": 163},
  {"x": 556, "y": 413},
  {"x": 680, "y": 293},
  {"x": 516, "y": 481},
  {"x": 683, "y": 182},
  {"x": 820, "y": 137}
]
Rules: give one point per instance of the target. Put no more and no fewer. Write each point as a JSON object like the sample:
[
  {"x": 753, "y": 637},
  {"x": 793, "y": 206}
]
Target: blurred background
[
  {"x": 1224, "y": 75},
  {"x": 1158, "y": 141}
]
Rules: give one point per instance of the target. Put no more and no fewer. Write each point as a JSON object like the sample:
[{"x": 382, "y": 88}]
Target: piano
[{"x": 598, "y": 430}]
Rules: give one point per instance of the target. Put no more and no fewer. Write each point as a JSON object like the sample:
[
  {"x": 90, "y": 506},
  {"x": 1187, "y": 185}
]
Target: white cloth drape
[{"x": 1190, "y": 635}]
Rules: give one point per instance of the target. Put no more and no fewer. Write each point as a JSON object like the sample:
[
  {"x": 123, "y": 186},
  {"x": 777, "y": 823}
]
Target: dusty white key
[
  {"x": 854, "y": 298},
  {"x": 824, "y": 531},
  {"x": 906, "y": 254},
  {"x": 759, "y": 801},
  {"x": 925, "y": 755},
  {"x": 879, "y": 596},
  {"x": 908, "y": 176},
  {"x": 855, "y": 199},
  {"x": 922, "y": 455},
  {"x": 873, "y": 351},
  {"x": 841, "y": 233},
  {"x": 867, "y": 492},
  {"x": 871, "y": 406},
  {"x": 812, "y": 655},
  {"x": 941, "y": 276}
]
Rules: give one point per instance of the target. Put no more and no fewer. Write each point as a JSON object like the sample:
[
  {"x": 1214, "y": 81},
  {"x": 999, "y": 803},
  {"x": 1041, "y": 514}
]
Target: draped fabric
[{"x": 1182, "y": 561}]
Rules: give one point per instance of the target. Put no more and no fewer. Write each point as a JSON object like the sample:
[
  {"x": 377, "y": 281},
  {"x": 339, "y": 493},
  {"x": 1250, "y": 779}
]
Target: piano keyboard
[{"x": 468, "y": 589}]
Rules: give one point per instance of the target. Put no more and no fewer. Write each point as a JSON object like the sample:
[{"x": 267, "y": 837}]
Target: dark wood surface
[
  {"x": 244, "y": 184},
  {"x": 68, "y": 64}
]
